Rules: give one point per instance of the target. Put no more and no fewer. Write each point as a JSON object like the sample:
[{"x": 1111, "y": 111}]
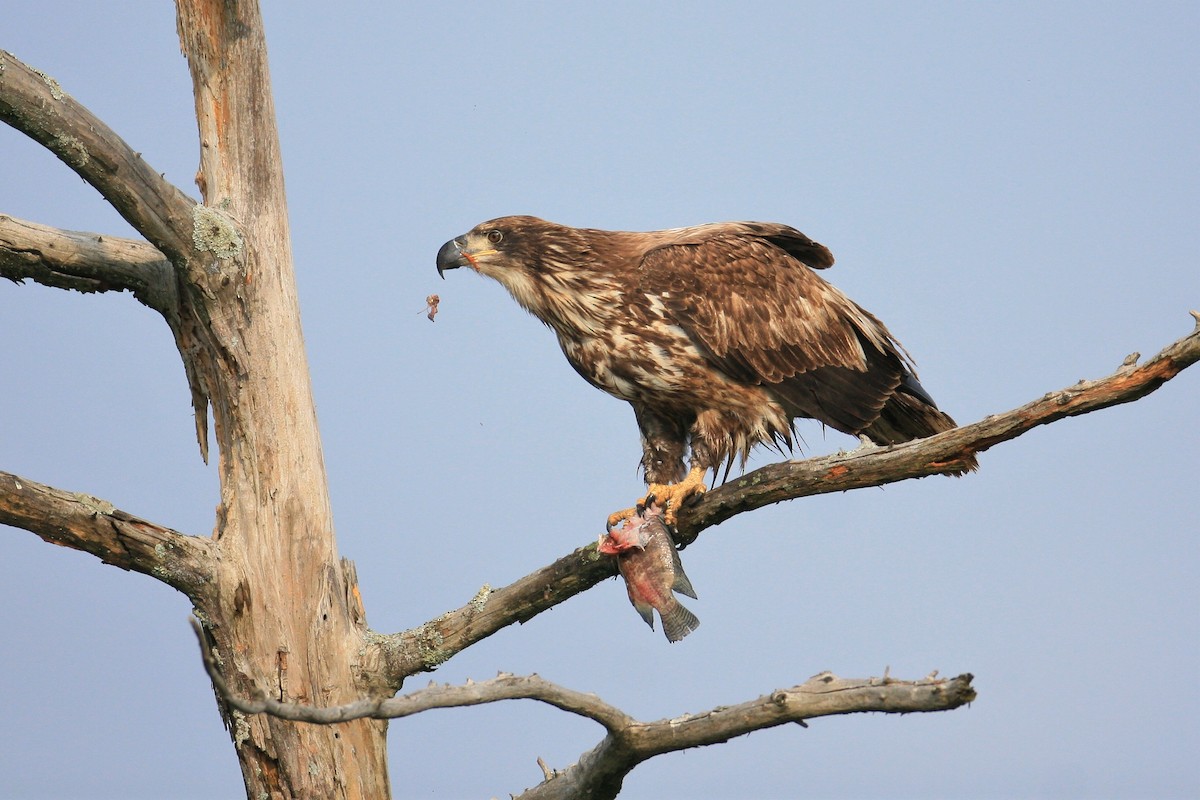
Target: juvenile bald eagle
[{"x": 718, "y": 335}]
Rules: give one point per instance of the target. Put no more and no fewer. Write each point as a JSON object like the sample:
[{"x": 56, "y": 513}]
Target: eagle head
[
  {"x": 498, "y": 245},
  {"x": 544, "y": 266}
]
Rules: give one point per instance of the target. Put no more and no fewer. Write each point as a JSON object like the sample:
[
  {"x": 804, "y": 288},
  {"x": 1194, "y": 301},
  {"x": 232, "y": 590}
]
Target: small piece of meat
[{"x": 431, "y": 305}]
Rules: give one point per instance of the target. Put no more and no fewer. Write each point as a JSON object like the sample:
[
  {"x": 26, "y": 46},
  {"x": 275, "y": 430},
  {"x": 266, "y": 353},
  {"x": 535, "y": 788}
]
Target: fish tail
[{"x": 678, "y": 622}]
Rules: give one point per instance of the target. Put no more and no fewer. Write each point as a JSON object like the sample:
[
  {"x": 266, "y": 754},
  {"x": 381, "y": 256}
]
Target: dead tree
[{"x": 282, "y": 626}]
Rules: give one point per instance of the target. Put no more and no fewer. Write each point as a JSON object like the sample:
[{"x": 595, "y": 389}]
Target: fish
[{"x": 650, "y": 564}]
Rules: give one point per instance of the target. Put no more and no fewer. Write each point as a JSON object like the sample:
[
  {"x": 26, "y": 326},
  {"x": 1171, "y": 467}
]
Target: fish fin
[
  {"x": 682, "y": 584},
  {"x": 647, "y": 612},
  {"x": 678, "y": 622}
]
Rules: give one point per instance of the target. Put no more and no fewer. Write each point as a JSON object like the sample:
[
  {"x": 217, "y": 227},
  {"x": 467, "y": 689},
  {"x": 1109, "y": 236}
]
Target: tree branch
[
  {"x": 34, "y": 103},
  {"x": 938, "y": 454},
  {"x": 193, "y": 238},
  {"x": 502, "y": 687},
  {"x": 424, "y": 648},
  {"x": 85, "y": 262},
  {"x": 600, "y": 772},
  {"x": 83, "y": 522}
]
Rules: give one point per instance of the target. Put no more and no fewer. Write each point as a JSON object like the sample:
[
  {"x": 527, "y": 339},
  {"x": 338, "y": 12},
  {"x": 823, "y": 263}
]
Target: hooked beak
[{"x": 451, "y": 256}]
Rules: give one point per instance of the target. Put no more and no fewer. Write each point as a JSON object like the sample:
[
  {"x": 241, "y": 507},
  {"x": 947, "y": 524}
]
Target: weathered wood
[
  {"x": 95, "y": 526},
  {"x": 35, "y": 104},
  {"x": 282, "y": 618},
  {"x": 276, "y": 603},
  {"x": 600, "y": 772},
  {"x": 85, "y": 262},
  {"x": 423, "y": 648}
]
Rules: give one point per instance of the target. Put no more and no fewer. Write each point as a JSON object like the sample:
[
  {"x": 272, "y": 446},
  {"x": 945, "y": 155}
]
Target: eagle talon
[
  {"x": 670, "y": 497},
  {"x": 617, "y": 517}
]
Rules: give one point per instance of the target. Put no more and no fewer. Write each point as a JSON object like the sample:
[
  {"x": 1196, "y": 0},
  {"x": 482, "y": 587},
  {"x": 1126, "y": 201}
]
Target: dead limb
[
  {"x": 83, "y": 522},
  {"x": 425, "y": 647},
  {"x": 600, "y": 772},
  {"x": 628, "y": 742},
  {"x": 938, "y": 454},
  {"x": 85, "y": 262},
  {"x": 35, "y": 104}
]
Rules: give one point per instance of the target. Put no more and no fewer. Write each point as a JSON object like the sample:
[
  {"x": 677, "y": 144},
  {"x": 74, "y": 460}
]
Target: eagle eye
[{"x": 495, "y": 236}]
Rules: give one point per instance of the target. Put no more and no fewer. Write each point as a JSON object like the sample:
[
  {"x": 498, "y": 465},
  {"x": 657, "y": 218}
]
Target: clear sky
[{"x": 1012, "y": 187}]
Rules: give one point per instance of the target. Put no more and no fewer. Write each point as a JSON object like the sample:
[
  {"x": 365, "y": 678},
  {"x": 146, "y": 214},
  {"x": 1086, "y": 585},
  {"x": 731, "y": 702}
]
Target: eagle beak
[{"x": 451, "y": 256}]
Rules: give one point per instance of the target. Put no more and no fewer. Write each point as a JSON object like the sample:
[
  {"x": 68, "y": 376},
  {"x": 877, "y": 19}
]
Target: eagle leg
[{"x": 670, "y": 496}]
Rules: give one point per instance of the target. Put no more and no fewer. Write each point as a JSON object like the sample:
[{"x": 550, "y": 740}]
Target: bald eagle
[{"x": 718, "y": 335}]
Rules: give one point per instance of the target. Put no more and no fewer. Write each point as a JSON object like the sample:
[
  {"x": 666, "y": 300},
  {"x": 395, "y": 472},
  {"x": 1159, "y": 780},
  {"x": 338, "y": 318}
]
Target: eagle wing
[{"x": 745, "y": 295}]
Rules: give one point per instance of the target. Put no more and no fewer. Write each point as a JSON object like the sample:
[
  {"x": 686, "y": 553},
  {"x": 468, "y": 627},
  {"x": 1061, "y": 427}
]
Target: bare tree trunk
[{"x": 282, "y": 615}]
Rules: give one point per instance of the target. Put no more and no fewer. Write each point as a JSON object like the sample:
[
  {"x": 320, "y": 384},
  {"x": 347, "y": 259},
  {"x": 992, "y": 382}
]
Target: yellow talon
[
  {"x": 669, "y": 495},
  {"x": 617, "y": 517}
]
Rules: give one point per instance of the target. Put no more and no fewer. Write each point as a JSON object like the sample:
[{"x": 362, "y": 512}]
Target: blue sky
[{"x": 1012, "y": 187}]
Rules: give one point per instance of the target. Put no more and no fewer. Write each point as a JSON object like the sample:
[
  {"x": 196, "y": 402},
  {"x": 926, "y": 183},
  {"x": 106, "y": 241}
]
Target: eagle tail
[{"x": 910, "y": 413}]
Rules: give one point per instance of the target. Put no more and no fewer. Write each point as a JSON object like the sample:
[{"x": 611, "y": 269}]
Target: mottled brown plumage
[{"x": 718, "y": 335}]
